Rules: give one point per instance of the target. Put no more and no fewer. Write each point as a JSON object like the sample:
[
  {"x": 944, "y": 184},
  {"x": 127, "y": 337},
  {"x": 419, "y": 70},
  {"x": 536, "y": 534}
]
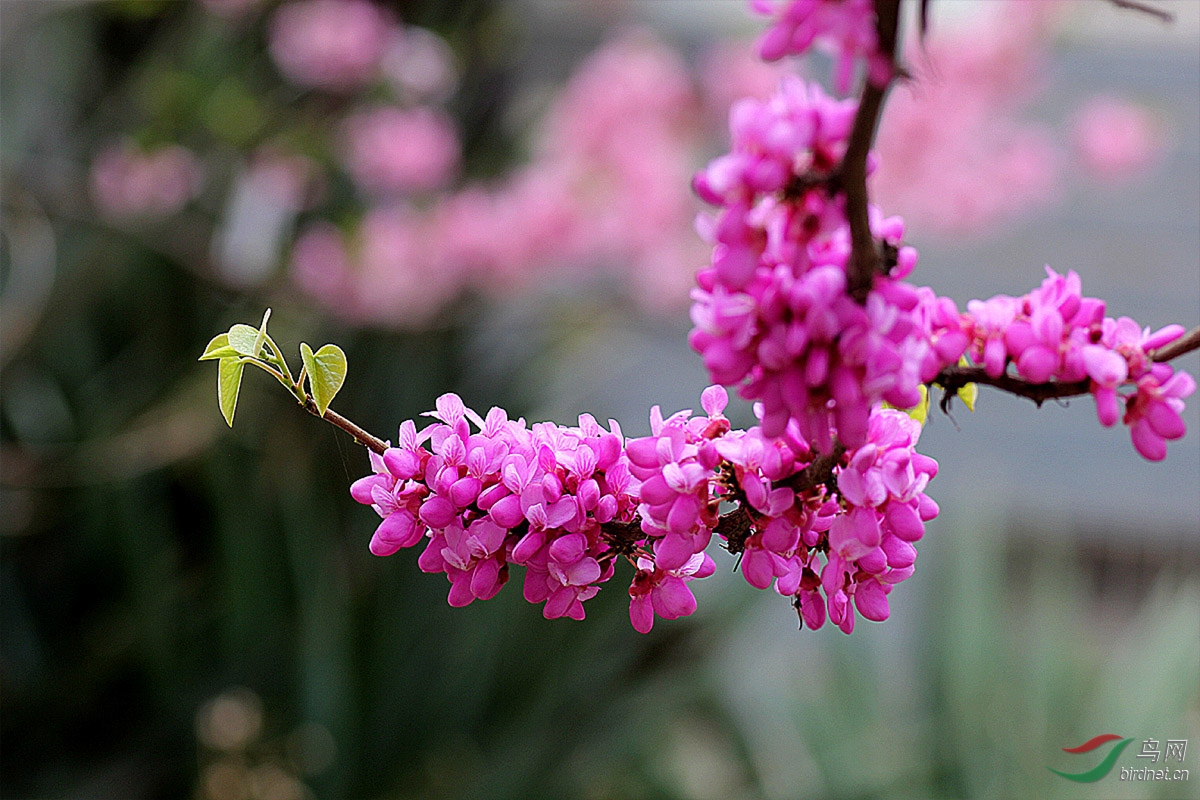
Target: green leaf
[
  {"x": 261, "y": 339},
  {"x": 218, "y": 348},
  {"x": 244, "y": 340},
  {"x": 229, "y": 383},
  {"x": 326, "y": 372},
  {"x": 970, "y": 392},
  {"x": 920, "y": 411}
]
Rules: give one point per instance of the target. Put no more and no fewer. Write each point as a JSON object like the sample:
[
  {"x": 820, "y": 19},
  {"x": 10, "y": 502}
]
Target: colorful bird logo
[{"x": 1104, "y": 767}]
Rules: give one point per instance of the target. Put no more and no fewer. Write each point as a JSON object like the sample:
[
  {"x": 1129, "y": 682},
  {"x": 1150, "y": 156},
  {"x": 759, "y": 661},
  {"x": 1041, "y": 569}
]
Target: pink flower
[
  {"x": 329, "y": 44},
  {"x": 845, "y": 28},
  {"x": 504, "y": 494},
  {"x": 665, "y": 593},
  {"x": 419, "y": 65},
  {"x": 1153, "y": 412},
  {"x": 489, "y": 493},
  {"x": 127, "y": 182},
  {"x": 772, "y": 314},
  {"x": 1115, "y": 139},
  {"x": 675, "y": 465},
  {"x": 1056, "y": 334},
  {"x": 389, "y": 150}
]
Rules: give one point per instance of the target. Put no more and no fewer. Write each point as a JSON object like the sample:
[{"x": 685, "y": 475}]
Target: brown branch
[
  {"x": 623, "y": 537},
  {"x": 736, "y": 526},
  {"x": 818, "y": 472},
  {"x": 1184, "y": 344},
  {"x": 865, "y": 259},
  {"x": 951, "y": 379},
  {"x": 799, "y": 184},
  {"x": 367, "y": 440},
  {"x": 1145, "y": 8}
]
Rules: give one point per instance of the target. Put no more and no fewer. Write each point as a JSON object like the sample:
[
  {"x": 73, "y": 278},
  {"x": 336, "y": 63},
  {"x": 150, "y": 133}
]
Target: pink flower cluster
[
  {"x": 845, "y": 28},
  {"x": 958, "y": 152},
  {"x": 885, "y": 510},
  {"x": 564, "y": 502},
  {"x": 1116, "y": 139},
  {"x": 128, "y": 182},
  {"x": 1054, "y": 333},
  {"x": 335, "y": 45},
  {"x": 390, "y": 150},
  {"x": 863, "y": 526},
  {"x": 606, "y": 190},
  {"x": 772, "y": 314},
  {"x": 508, "y": 493}
]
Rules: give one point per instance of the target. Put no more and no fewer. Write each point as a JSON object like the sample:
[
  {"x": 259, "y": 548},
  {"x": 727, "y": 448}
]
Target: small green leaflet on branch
[
  {"x": 218, "y": 348},
  {"x": 920, "y": 411},
  {"x": 244, "y": 339},
  {"x": 968, "y": 393},
  {"x": 243, "y": 344},
  {"x": 229, "y": 383},
  {"x": 326, "y": 370}
]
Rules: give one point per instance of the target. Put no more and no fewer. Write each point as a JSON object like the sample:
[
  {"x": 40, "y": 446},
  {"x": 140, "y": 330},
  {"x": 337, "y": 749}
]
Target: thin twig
[
  {"x": 367, "y": 440},
  {"x": 1145, "y": 8},
  {"x": 951, "y": 379},
  {"x": 1184, "y": 344}
]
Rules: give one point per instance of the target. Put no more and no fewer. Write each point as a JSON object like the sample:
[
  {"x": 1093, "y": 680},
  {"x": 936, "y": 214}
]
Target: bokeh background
[{"x": 492, "y": 198}]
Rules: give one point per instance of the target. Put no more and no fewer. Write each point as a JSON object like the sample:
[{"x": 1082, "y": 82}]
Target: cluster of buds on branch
[{"x": 565, "y": 503}]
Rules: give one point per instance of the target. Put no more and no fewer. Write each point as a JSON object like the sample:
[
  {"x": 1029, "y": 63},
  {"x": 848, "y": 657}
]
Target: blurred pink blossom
[
  {"x": 335, "y": 45},
  {"x": 1115, "y": 139},
  {"x": 390, "y": 150},
  {"x": 129, "y": 182},
  {"x": 382, "y": 274},
  {"x": 396, "y": 280},
  {"x": 731, "y": 70},
  {"x": 505, "y": 234},
  {"x": 624, "y": 134},
  {"x": 320, "y": 263},
  {"x": 606, "y": 191},
  {"x": 954, "y": 155},
  {"x": 419, "y": 66}
]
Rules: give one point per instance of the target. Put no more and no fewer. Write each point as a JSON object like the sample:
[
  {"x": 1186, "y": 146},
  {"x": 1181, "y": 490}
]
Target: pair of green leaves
[{"x": 321, "y": 376}]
